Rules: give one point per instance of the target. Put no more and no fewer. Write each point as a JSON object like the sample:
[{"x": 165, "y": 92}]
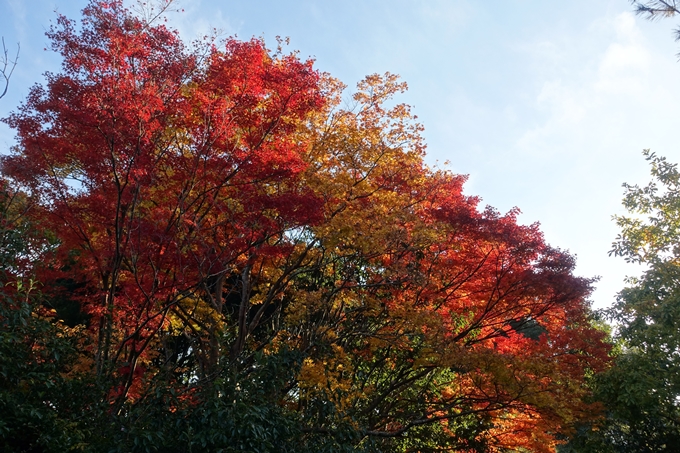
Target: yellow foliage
[
  {"x": 329, "y": 377},
  {"x": 197, "y": 312}
]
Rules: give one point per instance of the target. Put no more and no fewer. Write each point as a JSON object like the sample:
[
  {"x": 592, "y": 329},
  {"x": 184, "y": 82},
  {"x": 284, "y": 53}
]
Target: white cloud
[
  {"x": 566, "y": 108},
  {"x": 596, "y": 83},
  {"x": 193, "y": 24},
  {"x": 624, "y": 69},
  {"x": 625, "y": 65},
  {"x": 598, "y": 107}
]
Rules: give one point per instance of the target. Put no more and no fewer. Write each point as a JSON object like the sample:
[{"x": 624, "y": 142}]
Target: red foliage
[{"x": 159, "y": 170}]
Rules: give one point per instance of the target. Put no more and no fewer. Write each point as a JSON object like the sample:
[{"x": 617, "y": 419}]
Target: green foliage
[
  {"x": 235, "y": 412},
  {"x": 36, "y": 402},
  {"x": 38, "y": 405},
  {"x": 642, "y": 390}
]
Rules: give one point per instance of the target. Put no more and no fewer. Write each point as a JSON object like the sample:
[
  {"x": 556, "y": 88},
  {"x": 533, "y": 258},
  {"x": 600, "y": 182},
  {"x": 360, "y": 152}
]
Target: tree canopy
[{"x": 236, "y": 259}]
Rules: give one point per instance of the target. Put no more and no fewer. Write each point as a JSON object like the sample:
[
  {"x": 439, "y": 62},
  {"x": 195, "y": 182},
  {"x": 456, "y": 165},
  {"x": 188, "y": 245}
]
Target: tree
[
  {"x": 238, "y": 239},
  {"x": 641, "y": 391}
]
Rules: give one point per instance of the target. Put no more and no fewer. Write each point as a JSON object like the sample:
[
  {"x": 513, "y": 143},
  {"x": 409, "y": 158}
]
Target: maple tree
[{"x": 271, "y": 269}]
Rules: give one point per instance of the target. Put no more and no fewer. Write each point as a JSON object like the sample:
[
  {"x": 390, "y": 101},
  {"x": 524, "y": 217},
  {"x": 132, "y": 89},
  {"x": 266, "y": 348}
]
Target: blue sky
[{"x": 545, "y": 105}]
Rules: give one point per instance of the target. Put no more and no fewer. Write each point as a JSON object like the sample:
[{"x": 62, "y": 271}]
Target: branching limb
[
  {"x": 8, "y": 66},
  {"x": 152, "y": 11}
]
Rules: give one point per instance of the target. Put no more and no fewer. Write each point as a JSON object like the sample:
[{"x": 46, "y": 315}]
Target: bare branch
[
  {"x": 8, "y": 66},
  {"x": 149, "y": 11}
]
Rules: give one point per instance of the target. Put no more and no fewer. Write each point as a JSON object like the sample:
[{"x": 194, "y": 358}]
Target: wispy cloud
[
  {"x": 585, "y": 91},
  {"x": 17, "y": 10},
  {"x": 598, "y": 107},
  {"x": 194, "y": 24}
]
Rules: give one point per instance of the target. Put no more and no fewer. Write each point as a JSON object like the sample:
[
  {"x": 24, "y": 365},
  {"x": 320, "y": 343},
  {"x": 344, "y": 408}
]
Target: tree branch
[
  {"x": 654, "y": 9},
  {"x": 8, "y": 66}
]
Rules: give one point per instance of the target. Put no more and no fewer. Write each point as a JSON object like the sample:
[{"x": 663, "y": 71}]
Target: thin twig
[{"x": 8, "y": 65}]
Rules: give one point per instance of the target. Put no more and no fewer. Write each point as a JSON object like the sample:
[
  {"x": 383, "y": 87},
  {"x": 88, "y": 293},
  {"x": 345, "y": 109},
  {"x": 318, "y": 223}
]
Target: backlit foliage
[{"x": 222, "y": 212}]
